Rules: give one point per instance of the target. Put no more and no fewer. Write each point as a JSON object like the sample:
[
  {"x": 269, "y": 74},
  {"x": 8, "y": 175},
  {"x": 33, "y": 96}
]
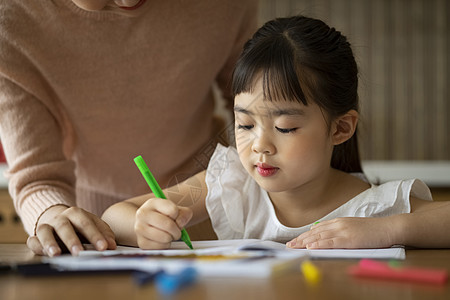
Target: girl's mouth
[{"x": 266, "y": 170}]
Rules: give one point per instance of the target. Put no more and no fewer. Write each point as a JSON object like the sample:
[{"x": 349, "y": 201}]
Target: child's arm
[
  {"x": 153, "y": 223},
  {"x": 426, "y": 226}
]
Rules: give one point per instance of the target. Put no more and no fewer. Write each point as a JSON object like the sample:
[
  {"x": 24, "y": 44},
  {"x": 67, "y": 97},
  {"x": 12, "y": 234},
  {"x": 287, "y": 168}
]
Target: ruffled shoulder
[
  {"x": 394, "y": 196},
  {"x": 225, "y": 179},
  {"x": 387, "y": 199},
  {"x": 420, "y": 190}
]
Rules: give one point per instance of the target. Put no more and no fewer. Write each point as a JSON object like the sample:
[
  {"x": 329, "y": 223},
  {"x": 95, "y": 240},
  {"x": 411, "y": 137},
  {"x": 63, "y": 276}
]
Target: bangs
[{"x": 272, "y": 60}]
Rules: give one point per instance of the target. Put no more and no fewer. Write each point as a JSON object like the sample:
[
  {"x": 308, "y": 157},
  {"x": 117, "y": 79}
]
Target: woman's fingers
[
  {"x": 65, "y": 230},
  {"x": 34, "y": 245},
  {"x": 87, "y": 225}
]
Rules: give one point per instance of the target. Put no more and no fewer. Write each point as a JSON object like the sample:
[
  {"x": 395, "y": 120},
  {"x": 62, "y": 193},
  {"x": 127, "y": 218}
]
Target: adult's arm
[{"x": 41, "y": 178}]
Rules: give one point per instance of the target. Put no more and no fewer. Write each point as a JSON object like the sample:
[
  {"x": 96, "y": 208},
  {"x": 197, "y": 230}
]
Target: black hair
[{"x": 303, "y": 59}]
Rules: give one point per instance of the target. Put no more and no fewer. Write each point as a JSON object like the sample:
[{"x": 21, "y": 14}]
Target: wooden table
[{"x": 335, "y": 284}]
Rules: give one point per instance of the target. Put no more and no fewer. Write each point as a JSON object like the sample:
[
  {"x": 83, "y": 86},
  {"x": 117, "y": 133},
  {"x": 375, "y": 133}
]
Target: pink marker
[{"x": 376, "y": 269}]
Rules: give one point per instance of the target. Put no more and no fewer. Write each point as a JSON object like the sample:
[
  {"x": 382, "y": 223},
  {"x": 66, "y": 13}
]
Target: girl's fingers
[
  {"x": 164, "y": 215},
  {"x": 319, "y": 231},
  {"x": 152, "y": 234},
  {"x": 296, "y": 243},
  {"x": 349, "y": 232},
  {"x": 162, "y": 206},
  {"x": 159, "y": 222},
  {"x": 144, "y": 243},
  {"x": 325, "y": 225},
  {"x": 153, "y": 219},
  {"x": 184, "y": 216},
  {"x": 330, "y": 243}
]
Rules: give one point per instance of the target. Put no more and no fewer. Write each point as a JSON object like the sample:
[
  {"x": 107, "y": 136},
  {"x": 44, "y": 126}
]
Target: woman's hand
[
  {"x": 346, "y": 233},
  {"x": 159, "y": 222},
  {"x": 66, "y": 224}
]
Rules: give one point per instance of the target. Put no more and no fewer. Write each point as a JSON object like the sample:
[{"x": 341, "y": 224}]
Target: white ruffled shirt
[{"x": 240, "y": 209}]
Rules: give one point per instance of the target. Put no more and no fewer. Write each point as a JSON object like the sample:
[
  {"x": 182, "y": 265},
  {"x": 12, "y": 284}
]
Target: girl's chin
[{"x": 272, "y": 187}]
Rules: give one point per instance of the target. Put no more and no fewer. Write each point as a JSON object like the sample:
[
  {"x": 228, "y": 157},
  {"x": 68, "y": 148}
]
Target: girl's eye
[
  {"x": 245, "y": 127},
  {"x": 286, "y": 130}
]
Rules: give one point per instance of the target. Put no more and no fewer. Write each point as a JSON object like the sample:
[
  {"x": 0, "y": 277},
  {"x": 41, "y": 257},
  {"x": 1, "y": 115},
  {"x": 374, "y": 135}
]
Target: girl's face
[
  {"x": 93, "y": 5},
  {"x": 283, "y": 145}
]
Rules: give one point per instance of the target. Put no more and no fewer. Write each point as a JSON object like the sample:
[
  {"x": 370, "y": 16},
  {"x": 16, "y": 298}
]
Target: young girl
[{"x": 296, "y": 162}]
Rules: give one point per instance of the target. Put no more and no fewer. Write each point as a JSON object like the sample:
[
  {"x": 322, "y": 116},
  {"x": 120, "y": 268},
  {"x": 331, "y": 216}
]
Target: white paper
[
  {"x": 221, "y": 258},
  {"x": 233, "y": 246}
]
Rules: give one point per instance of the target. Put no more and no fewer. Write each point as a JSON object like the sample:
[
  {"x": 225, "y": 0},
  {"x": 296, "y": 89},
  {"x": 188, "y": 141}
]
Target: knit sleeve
[
  {"x": 38, "y": 173},
  {"x": 225, "y": 202}
]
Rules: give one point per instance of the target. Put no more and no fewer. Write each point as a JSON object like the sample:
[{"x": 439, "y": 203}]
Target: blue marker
[
  {"x": 142, "y": 277},
  {"x": 168, "y": 284}
]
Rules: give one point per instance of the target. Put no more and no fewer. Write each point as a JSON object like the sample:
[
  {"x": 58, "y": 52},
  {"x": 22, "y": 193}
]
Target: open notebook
[{"x": 219, "y": 258}]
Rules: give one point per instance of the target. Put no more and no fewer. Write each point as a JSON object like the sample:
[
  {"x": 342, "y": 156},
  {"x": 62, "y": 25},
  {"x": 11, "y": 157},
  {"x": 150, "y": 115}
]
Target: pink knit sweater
[{"x": 82, "y": 93}]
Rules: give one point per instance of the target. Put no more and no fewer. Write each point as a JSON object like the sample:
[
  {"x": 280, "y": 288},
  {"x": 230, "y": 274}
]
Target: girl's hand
[
  {"x": 346, "y": 233},
  {"x": 62, "y": 226},
  {"x": 159, "y": 222}
]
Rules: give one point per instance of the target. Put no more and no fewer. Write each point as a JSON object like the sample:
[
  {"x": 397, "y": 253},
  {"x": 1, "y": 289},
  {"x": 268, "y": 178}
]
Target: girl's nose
[{"x": 263, "y": 145}]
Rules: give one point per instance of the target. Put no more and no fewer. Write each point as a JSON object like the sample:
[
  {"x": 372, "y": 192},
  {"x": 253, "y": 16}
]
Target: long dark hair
[{"x": 303, "y": 59}]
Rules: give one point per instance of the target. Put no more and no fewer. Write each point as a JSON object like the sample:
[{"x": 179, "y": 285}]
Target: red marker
[{"x": 376, "y": 269}]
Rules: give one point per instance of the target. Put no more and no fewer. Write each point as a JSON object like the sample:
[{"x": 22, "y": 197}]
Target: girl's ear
[{"x": 344, "y": 127}]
